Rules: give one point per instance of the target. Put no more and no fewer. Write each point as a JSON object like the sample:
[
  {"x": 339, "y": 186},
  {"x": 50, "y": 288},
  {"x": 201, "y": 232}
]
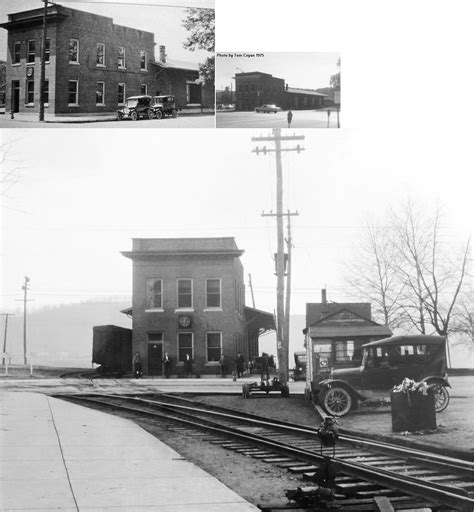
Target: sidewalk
[
  {"x": 57, "y": 455},
  {"x": 112, "y": 116}
]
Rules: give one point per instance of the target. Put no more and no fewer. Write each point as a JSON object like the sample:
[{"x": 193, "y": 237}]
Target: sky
[
  {"x": 306, "y": 70},
  {"x": 164, "y": 22},
  {"x": 406, "y": 116}
]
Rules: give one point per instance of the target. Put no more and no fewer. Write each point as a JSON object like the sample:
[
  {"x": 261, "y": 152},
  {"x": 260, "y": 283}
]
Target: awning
[{"x": 255, "y": 319}]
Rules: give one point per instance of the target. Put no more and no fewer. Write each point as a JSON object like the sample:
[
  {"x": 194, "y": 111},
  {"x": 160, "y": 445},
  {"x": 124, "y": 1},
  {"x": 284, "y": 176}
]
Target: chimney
[
  {"x": 163, "y": 54},
  {"x": 324, "y": 301}
]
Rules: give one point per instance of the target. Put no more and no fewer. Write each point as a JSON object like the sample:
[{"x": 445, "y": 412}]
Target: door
[
  {"x": 15, "y": 95},
  {"x": 155, "y": 357}
]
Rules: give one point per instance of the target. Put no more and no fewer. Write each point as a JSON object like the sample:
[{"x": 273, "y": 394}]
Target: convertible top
[{"x": 419, "y": 339}]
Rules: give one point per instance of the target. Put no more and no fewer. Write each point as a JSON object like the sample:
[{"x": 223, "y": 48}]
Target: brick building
[
  {"x": 336, "y": 331},
  {"x": 255, "y": 89},
  {"x": 92, "y": 65},
  {"x": 189, "y": 298}
]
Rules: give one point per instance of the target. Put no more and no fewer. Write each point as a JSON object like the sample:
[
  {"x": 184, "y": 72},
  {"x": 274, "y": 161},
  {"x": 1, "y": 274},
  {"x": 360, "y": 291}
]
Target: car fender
[
  {"x": 434, "y": 380},
  {"x": 330, "y": 383}
]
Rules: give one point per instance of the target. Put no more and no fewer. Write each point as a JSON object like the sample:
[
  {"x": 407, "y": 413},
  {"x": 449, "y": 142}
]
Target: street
[
  {"x": 201, "y": 121},
  {"x": 301, "y": 119}
]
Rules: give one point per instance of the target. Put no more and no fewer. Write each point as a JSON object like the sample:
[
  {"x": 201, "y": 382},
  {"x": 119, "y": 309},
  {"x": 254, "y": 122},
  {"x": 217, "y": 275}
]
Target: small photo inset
[{"x": 278, "y": 89}]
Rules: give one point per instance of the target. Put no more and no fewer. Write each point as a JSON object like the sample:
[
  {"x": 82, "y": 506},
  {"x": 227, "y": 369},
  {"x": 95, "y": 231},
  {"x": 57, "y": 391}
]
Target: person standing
[
  {"x": 289, "y": 118},
  {"x": 167, "y": 362},
  {"x": 239, "y": 365},
  {"x": 223, "y": 365},
  {"x": 188, "y": 366},
  {"x": 137, "y": 366}
]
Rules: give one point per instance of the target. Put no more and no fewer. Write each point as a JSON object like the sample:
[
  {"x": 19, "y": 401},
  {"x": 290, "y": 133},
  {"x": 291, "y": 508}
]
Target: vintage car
[
  {"x": 164, "y": 106},
  {"x": 266, "y": 109},
  {"x": 299, "y": 372},
  {"x": 385, "y": 363},
  {"x": 136, "y": 107}
]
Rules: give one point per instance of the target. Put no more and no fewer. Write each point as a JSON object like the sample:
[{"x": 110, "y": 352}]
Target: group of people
[{"x": 188, "y": 365}]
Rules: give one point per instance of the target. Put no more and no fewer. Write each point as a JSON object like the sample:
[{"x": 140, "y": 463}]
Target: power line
[{"x": 141, "y": 4}]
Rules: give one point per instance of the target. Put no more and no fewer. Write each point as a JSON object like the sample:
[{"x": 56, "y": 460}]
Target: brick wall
[{"x": 228, "y": 321}]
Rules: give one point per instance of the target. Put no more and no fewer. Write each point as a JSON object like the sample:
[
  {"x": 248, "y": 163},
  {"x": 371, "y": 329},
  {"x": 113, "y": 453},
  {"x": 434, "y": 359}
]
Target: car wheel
[
  {"x": 441, "y": 395},
  {"x": 336, "y": 401},
  {"x": 134, "y": 116},
  {"x": 120, "y": 116},
  {"x": 159, "y": 114},
  {"x": 174, "y": 113},
  {"x": 151, "y": 114}
]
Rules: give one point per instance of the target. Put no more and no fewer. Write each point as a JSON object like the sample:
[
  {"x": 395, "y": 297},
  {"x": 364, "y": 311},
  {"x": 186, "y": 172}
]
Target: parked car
[
  {"x": 136, "y": 107},
  {"x": 301, "y": 358},
  {"x": 164, "y": 106},
  {"x": 385, "y": 364},
  {"x": 267, "y": 109}
]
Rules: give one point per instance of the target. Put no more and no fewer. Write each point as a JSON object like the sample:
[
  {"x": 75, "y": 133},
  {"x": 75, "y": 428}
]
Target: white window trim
[
  {"x": 214, "y": 308},
  {"x": 103, "y": 95},
  {"x": 96, "y": 48},
  {"x": 78, "y": 54},
  {"x": 146, "y": 60},
  {"x": 178, "y": 362},
  {"x": 13, "y": 54},
  {"x": 188, "y": 309},
  {"x": 146, "y": 89},
  {"x": 212, "y": 363},
  {"x": 124, "y": 59},
  {"x": 123, "y": 103},
  {"x": 77, "y": 94},
  {"x": 28, "y": 52}
]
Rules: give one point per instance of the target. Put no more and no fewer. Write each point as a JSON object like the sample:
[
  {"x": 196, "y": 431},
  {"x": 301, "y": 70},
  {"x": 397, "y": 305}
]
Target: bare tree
[
  {"x": 432, "y": 273},
  {"x": 10, "y": 167},
  {"x": 413, "y": 278},
  {"x": 373, "y": 274}
]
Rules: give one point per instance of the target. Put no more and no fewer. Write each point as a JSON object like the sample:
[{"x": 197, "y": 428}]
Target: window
[
  {"x": 213, "y": 346},
  {"x": 185, "y": 346},
  {"x": 30, "y": 92},
  {"x": 154, "y": 293},
  {"x": 121, "y": 94},
  {"x": 185, "y": 293},
  {"x": 47, "y": 47},
  {"x": 100, "y": 93},
  {"x": 143, "y": 89},
  {"x": 16, "y": 58},
  {"x": 74, "y": 51},
  {"x": 46, "y": 92},
  {"x": 121, "y": 57},
  {"x": 143, "y": 62},
  {"x": 100, "y": 54},
  {"x": 73, "y": 90},
  {"x": 344, "y": 350},
  {"x": 213, "y": 293},
  {"x": 31, "y": 51}
]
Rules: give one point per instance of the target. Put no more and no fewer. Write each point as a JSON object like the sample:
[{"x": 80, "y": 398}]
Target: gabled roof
[{"x": 353, "y": 325}]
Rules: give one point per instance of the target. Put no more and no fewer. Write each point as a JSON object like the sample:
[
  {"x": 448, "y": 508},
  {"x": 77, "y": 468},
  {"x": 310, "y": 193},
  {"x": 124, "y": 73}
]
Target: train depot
[{"x": 188, "y": 307}]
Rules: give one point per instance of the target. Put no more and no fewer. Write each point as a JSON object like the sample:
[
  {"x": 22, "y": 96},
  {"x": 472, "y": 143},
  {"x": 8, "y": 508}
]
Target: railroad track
[{"x": 367, "y": 470}]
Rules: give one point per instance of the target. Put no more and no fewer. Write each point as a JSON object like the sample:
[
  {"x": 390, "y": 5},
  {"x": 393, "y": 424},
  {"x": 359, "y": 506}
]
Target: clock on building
[{"x": 184, "y": 321}]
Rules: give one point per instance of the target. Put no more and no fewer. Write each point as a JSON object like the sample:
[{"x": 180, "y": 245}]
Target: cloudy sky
[
  {"x": 164, "y": 22},
  {"x": 407, "y": 111}
]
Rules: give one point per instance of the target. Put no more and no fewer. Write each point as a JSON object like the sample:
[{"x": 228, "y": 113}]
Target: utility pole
[
  {"x": 277, "y": 139},
  {"x": 6, "y": 315},
  {"x": 43, "y": 63},
  {"x": 25, "y": 289},
  {"x": 289, "y": 242},
  {"x": 251, "y": 290}
]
